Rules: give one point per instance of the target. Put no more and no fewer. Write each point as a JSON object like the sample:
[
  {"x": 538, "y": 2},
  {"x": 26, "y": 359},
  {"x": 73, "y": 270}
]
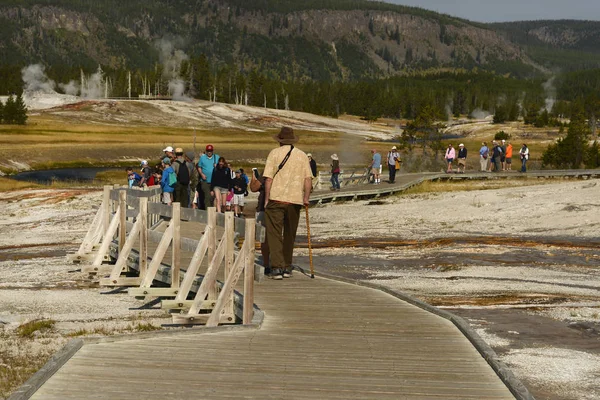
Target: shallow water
[{"x": 61, "y": 174}]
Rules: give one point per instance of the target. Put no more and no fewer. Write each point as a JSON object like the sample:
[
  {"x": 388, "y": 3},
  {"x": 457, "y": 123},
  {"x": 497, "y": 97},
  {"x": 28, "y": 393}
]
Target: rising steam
[
  {"x": 35, "y": 80},
  {"x": 171, "y": 59}
]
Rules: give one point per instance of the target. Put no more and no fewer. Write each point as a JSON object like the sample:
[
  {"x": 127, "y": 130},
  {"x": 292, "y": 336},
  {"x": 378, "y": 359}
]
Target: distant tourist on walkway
[
  {"x": 496, "y": 156},
  {"x": 146, "y": 173},
  {"x": 169, "y": 152},
  {"x": 313, "y": 165},
  {"x": 220, "y": 184},
  {"x": 165, "y": 181},
  {"x": 524, "y": 157},
  {"x": 133, "y": 178},
  {"x": 189, "y": 157},
  {"x": 207, "y": 163},
  {"x": 183, "y": 170},
  {"x": 509, "y": 151},
  {"x": 393, "y": 161},
  {"x": 462, "y": 158},
  {"x": 450, "y": 156},
  {"x": 484, "y": 153},
  {"x": 503, "y": 156},
  {"x": 287, "y": 187},
  {"x": 239, "y": 186},
  {"x": 335, "y": 172},
  {"x": 376, "y": 167}
]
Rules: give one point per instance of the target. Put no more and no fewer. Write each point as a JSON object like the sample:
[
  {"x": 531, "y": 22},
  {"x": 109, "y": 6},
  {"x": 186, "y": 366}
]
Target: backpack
[
  {"x": 183, "y": 174},
  {"x": 172, "y": 179}
]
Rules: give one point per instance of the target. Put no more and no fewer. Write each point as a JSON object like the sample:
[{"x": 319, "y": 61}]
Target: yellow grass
[{"x": 466, "y": 186}]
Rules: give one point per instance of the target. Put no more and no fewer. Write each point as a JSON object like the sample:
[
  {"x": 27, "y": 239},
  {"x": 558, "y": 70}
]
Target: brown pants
[{"x": 282, "y": 223}]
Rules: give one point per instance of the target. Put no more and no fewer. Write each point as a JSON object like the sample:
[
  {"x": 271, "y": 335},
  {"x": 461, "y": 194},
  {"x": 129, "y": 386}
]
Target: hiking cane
[{"x": 312, "y": 271}]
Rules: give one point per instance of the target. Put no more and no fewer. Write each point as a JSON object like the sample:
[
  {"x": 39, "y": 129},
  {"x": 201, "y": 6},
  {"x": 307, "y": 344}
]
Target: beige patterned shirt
[{"x": 288, "y": 185}]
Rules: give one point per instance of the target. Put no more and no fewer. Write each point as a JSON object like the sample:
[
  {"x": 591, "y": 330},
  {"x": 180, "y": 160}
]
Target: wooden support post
[
  {"x": 106, "y": 202},
  {"x": 209, "y": 278},
  {"x": 159, "y": 254},
  {"x": 121, "y": 263},
  {"x": 229, "y": 245},
  {"x": 143, "y": 260},
  {"x": 122, "y": 219},
  {"x": 212, "y": 246},
  {"x": 106, "y": 240},
  {"x": 249, "y": 243},
  {"x": 192, "y": 271},
  {"x": 176, "y": 247}
]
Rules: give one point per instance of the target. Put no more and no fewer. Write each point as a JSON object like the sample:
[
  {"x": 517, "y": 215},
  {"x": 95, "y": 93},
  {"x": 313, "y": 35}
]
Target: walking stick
[{"x": 312, "y": 271}]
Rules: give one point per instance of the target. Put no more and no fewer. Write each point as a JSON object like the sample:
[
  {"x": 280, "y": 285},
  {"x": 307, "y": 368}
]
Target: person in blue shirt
[
  {"x": 206, "y": 165},
  {"x": 167, "y": 190},
  {"x": 133, "y": 178},
  {"x": 376, "y": 167},
  {"x": 484, "y": 153}
]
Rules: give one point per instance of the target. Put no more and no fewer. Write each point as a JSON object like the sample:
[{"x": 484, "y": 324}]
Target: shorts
[
  {"x": 462, "y": 161},
  {"x": 166, "y": 198},
  {"x": 502, "y": 159},
  {"x": 238, "y": 200},
  {"x": 221, "y": 190},
  {"x": 449, "y": 160},
  {"x": 509, "y": 160},
  {"x": 375, "y": 171}
]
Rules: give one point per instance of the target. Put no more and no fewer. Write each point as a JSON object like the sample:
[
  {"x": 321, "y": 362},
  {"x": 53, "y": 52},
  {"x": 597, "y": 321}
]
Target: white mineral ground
[{"x": 39, "y": 226}]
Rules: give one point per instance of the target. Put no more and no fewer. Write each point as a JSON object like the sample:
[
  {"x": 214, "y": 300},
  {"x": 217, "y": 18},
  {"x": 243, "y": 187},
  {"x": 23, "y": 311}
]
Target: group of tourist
[
  {"x": 210, "y": 182},
  {"x": 496, "y": 158}
]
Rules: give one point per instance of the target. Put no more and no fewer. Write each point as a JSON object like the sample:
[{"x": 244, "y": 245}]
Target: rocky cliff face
[{"x": 352, "y": 44}]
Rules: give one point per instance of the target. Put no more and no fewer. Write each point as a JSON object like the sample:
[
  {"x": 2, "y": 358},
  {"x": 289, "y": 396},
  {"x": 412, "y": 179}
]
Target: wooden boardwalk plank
[{"x": 321, "y": 339}]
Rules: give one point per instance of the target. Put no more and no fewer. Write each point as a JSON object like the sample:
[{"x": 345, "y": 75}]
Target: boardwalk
[{"x": 320, "y": 339}]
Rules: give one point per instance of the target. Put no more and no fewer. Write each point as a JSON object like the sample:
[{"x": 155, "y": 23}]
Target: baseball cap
[
  {"x": 308, "y": 154},
  {"x": 144, "y": 162},
  {"x": 169, "y": 149},
  {"x": 179, "y": 150},
  {"x": 461, "y": 145},
  {"x": 209, "y": 147},
  {"x": 166, "y": 160}
]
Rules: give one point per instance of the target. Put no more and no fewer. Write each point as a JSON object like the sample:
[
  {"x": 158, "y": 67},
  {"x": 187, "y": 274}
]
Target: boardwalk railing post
[
  {"x": 249, "y": 244},
  {"x": 212, "y": 246},
  {"x": 106, "y": 206},
  {"x": 176, "y": 246},
  {"x": 122, "y": 219},
  {"x": 143, "y": 260},
  {"x": 229, "y": 244}
]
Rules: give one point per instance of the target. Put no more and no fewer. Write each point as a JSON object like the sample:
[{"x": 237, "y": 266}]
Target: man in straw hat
[{"x": 287, "y": 188}]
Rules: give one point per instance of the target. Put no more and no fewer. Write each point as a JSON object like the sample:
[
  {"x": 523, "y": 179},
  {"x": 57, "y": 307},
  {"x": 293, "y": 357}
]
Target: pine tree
[
  {"x": 9, "y": 111},
  {"x": 20, "y": 117}
]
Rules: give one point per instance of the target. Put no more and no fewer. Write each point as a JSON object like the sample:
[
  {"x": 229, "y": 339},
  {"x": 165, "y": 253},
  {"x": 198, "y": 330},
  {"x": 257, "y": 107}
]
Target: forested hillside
[
  {"x": 327, "y": 57},
  {"x": 565, "y": 44}
]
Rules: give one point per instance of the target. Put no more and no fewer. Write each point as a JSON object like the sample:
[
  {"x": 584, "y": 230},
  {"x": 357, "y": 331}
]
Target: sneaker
[
  {"x": 287, "y": 273},
  {"x": 275, "y": 274}
]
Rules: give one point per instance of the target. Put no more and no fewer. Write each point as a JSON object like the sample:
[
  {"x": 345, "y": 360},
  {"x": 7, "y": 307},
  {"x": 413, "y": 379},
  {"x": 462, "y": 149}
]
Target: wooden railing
[
  {"x": 347, "y": 178},
  {"x": 132, "y": 216}
]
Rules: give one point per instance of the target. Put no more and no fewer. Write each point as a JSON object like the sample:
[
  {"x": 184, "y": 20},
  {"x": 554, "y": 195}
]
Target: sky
[{"x": 511, "y": 10}]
